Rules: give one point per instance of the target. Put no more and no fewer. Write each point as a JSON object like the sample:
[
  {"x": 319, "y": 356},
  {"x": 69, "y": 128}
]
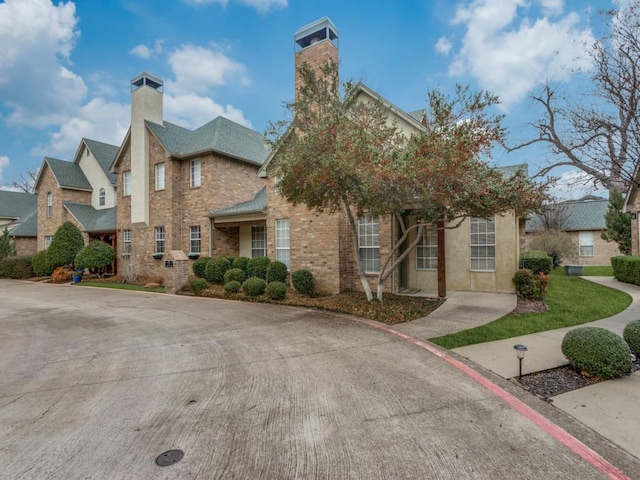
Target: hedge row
[{"x": 626, "y": 268}]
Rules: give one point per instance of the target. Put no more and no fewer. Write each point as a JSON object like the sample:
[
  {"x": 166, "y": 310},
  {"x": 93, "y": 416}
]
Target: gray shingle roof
[
  {"x": 419, "y": 114},
  {"x": 16, "y": 204},
  {"x": 105, "y": 154},
  {"x": 27, "y": 226},
  {"x": 580, "y": 214},
  {"x": 510, "y": 170},
  {"x": 68, "y": 174},
  {"x": 257, "y": 204},
  {"x": 93, "y": 221},
  {"x": 221, "y": 135}
]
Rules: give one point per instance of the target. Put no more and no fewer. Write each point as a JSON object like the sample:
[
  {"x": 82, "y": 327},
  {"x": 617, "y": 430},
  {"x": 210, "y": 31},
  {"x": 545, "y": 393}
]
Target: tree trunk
[{"x": 356, "y": 245}]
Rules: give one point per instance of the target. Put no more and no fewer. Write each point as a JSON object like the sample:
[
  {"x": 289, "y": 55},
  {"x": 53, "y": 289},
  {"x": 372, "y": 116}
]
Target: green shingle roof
[
  {"x": 105, "y": 154},
  {"x": 257, "y": 204},
  {"x": 16, "y": 204},
  {"x": 221, "y": 135},
  {"x": 68, "y": 174},
  {"x": 580, "y": 215},
  {"x": 27, "y": 226},
  {"x": 93, "y": 221}
]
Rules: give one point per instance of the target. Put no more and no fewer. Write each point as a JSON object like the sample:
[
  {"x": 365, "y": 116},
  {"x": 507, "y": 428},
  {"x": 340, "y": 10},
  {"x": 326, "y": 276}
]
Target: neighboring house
[
  {"x": 18, "y": 214},
  {"x": 170, "y": 178},
  {"x": 584, "y": 221},
  {"x": 82, "y": 191}
]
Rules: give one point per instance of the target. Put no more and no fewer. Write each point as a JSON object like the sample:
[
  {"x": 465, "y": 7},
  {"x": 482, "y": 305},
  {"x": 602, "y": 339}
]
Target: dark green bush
[
  {"x": 215, "y": 270},
  {"x": 232, "y": 287},
  {"x": 631, "y": 335},
  {"x": 536, "y": 261},
  {"x": 198, "y": 285},
  {"x": 276, "y": 290},
  {"x": 236, "y": 274},
  {"x": 65, "y": 245},
  {"x": 530, "y": 286},
  {"x": 257, "y": 267},
  {"x": 276, "y": 272},
  {"x": 241, "y": 263},
  {"x": 303, "y": 282},
  {"x": 254, "y": 286},
  {"x": 41, "y": 265},
  {"x": 626, "y": 268},
  {"x": 597, "y": 351},
  {"x": 16, "y": 267},
  {"x": 96, "y": 254},
  {"x": 231, "y": 259},
  {"x": 199, "y": 266}
]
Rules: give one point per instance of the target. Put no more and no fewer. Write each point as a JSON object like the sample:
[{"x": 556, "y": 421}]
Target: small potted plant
[{"x": 77, "y": 275}]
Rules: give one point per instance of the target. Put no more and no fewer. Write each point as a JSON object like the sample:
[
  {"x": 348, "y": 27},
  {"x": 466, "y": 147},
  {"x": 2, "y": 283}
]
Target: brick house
[
  {"x": 584, "y": 221},
  {"x": 18, "y": 214},
  {"x": 170, "y": 178}
]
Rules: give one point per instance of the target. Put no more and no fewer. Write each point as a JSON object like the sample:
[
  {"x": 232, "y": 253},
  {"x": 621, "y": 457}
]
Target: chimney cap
[
  {"x": 321, "y": 29},
  {"x": 145, "y": 78}
]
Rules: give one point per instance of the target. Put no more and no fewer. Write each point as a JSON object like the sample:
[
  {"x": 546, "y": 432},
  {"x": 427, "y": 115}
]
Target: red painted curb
[{"x": 551, "y": 428}]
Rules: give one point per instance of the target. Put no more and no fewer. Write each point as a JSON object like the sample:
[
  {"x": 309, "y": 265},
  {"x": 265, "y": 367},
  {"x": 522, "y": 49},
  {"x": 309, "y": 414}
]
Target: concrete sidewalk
[{"x": 609, "y": 408}]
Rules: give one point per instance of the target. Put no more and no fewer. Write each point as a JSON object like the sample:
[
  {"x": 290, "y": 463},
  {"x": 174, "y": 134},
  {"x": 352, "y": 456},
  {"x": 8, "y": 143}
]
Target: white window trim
[
  {"x": 483, "y": 244},
  {"x": 159, "y": 236},
  {"x": 49, "y": 205},
  {"x": 192, "y": 239},
  {"x": 430, "y": 234},
  {"x": 126, "y": 183},
  {"x": 283, "y": 241},
  {"x": 586, "y": 239},
  {"x": 195, "y": 181},
  {"x": 363, "y": 222},
  {"x": 127, "y": 242},
  {"x": 159, "y": 176},
  {"x": 102, "y": 197},
  {"x": 262, "y": 240}
]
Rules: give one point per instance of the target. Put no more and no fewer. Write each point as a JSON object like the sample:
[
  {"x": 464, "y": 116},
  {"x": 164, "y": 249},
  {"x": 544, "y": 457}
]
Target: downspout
[{"x": 211, "y": 221}]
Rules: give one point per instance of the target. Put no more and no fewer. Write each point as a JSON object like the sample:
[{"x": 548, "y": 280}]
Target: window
[
  {"x": 369, "y": 239},
  {"x": 159, "y": 168},
  {"x": 102, "y": 197},
  {"x": 483, "y": 244},
  {"x": 49, "y": 204},
  {"x": 126, "y": 183},
  {"x": 126, "y": 242},
  {"x": 427, "y": 250},
  {"x": 159, "y": 240},
  {"x": 585, "y": 241},
  {"x": 194, "y": 239},
  {"x": 258, "y": 241},
  {"x": 47, "y": 241},
  {"x": 194, "y": 173},
  {"x": 282, "y": 241}
]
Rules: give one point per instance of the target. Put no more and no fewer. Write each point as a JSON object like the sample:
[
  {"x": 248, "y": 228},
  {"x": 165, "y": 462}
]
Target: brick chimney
[{"x": 317, "y": 44}]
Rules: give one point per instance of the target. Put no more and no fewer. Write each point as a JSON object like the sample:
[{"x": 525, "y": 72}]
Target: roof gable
[
  {"x": 105, "y": 154},
  {"x": 92, "y": 220},
  {"x": 16, "y": 204},
  {"x": 67, "y": 174},
  {"x": 580, "y": 215}
]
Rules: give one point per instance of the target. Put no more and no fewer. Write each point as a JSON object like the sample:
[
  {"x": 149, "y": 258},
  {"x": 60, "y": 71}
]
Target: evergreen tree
[
  {"x": 7, "y": 247},
  {"x": 618, "y": 223},
  {"x": 65, "y": 245}
]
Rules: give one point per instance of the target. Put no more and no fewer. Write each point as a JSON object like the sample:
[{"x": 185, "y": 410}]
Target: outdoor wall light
[{"x": 520, "y": 352}]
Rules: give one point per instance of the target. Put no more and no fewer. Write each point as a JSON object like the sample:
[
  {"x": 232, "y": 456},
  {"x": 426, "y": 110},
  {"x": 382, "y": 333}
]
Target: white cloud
[
  {"x": 4, "y": 163},
  {"x": 575, "y": 184},
  {"x": 443, "y": 46},
  {"x": 37, "y": 38},
  {"x": 260, "y": 5},
  {"x": 145, "y": 52},
  {"x": 510, "y": 54},
  {"x": 192, "y": 110}
]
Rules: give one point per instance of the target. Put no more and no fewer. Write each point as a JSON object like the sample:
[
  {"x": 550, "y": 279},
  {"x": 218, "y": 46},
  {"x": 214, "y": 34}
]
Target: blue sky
[{"x": 66, "y": 66}]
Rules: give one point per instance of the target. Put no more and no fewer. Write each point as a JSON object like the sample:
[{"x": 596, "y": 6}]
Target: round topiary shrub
[
  {"x": 254, "y": 286},
  {"x": 241, "y": 263},
  {"x": 215, "y": 270},
  {"x": 232, "y": 287},
  {"x": 65, "y": 245},
  {"x": 199, "y": 266},
  {"x": 631, "y": 335},
  {"x": 95, "y": 255},
  {"x": 276, "y": 290},
  {"x": 276, "y": 272},
  {"x": 236, "y": 274},
  {"x": 303, "y": 282},
  {"x": 41, "y": 265},
  {"x": 257, "y": 267},
  {"x": 597, "y": 351},
  {"x": 198, "y": 285}
]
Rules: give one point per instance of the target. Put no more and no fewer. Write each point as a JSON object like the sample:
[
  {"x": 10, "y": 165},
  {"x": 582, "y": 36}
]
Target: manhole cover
[{"x": 169, "y": 458}]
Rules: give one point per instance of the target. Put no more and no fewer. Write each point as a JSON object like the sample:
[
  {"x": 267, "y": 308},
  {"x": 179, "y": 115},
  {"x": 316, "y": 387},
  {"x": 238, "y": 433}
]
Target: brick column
[{"x": 176, "y": 271}]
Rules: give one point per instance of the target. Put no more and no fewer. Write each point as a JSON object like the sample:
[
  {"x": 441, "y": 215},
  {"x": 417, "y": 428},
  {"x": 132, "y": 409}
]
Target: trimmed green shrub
[
  {"x": 276, "y": 272},
  {"x": 241, "y": 263},
  {"x": 597, "y": 351},
  {"x": 65, "y": 245},
  {"x": 7, "y": 246},
  {"x": 41, "y": 265},
  {"x": 254, "y": 286},
  {"x": 631, "y": 335},
  {"x": 530, "y": 286},
  {"x": 16, "y": 267},
  {"x": 231, "y": 258},
  {"x": 96, "y": 254},
  {"x": 626, "y": 268},
  {"x": 198, "y": 285},
  {"x": 199, "y": 266},
  {"x": 303, "y": 282},
  {"x": 257, "y": 267},
  {"x": 276, "y": 290},
  {"x": 236, "y": 274},
  {"x": 536, "y": 261},
  {"x": 215, "y": 270},
  {"x": 232, "y": 287}
]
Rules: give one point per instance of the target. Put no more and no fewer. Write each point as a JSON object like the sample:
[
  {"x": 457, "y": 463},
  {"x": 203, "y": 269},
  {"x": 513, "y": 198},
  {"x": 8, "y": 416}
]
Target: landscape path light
[{"x": 520, "y": 352}]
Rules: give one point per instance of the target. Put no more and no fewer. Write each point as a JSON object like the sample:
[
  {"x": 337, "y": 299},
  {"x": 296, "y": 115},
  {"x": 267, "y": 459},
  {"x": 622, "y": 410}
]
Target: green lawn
[
  {"x": 606, "y": 271},
  {"x": 571, "y": 301},
  {"x": 120, "y": 286}
]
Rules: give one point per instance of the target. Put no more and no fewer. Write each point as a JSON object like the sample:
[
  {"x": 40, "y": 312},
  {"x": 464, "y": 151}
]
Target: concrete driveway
[{"x": 96, "y": 383}]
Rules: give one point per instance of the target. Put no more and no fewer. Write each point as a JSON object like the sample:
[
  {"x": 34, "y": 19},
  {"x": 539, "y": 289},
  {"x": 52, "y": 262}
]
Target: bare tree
[
  {"x": 26, "y": 182},
  {"x": 601, "y": 137},
  {"x": 555, "y": 216}
]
